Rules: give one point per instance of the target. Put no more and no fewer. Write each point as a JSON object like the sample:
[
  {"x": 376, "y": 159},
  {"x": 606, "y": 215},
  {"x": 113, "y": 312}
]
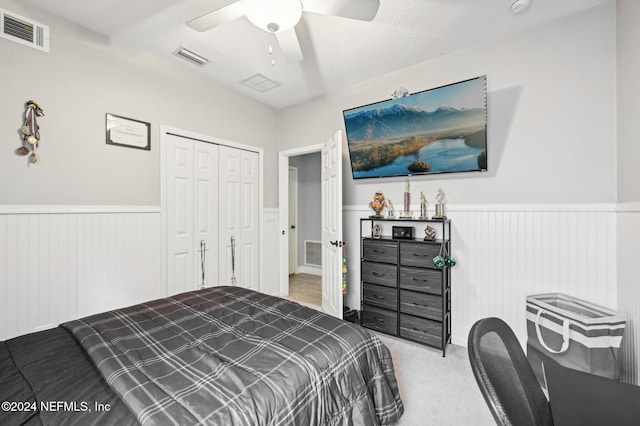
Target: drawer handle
[
  {"x": 377, "y": 274},
  {"x": 379, "y": 251},
  {"x": 421, "y": 280},
  {"x": 377, "y": 296},
  {"x": 379, "y": 320},
  {"x": 419, "y": 255}
]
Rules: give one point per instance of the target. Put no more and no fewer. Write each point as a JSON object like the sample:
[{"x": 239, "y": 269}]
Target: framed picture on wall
[{"x": 128, "y": 132}]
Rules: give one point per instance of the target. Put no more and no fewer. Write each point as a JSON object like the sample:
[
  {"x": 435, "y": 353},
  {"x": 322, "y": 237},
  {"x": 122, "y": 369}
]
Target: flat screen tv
[{"x": 441, "y": 130}]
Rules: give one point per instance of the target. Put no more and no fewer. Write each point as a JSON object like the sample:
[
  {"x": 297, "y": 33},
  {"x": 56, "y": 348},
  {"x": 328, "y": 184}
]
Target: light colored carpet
[{"x": 436, "y": 390}]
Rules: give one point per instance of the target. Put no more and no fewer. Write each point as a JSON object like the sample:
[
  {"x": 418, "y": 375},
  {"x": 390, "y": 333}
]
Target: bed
[{"x": 219, "y": 356}]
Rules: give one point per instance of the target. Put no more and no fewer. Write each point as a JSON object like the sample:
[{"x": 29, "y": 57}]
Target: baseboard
[{"x": 311, "y": 270}]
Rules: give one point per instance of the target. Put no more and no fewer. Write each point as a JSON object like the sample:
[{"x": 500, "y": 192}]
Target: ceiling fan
[{"x": 280, "y": 17}]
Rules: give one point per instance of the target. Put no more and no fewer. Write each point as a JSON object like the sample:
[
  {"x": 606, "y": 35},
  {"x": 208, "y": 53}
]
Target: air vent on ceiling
[
  {"x": 260, "y": 83},
  {"x": 191, "y": 56},
  {"x": 24, "y": 31}
]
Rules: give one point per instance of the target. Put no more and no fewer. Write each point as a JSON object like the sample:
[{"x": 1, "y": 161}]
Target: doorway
[
  {"x": 293, "y": 218},
  {"x": 305, "y": 230},
  {"x": 329, "y": 205},
  {"x": 305, "y": 285}
]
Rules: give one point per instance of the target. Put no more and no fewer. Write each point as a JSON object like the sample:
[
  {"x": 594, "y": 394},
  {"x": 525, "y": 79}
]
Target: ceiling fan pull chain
[{"x": 273, "y": 61}]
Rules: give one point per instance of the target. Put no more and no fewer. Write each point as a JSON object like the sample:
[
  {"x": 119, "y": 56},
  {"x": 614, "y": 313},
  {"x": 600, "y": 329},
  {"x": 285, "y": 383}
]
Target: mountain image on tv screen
[{"x": 440, "y": 130}]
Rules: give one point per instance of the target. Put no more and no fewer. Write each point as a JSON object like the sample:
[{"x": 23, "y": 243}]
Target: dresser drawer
[
  {"x": 420, "y": 279},
  {"x": 421, "y": 330},
  {"x": 384, "y": 297},
  {"x": 379, "y": 273},
  {"x": 380, "y": 250},
  {"x": 379, "y": 319},
  {"x": 421, "y": 304},
  {"x": 418, "y": 254}
]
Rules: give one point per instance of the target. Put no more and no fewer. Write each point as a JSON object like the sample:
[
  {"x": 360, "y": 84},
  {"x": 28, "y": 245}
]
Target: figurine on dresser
[
  {"x": 440, "y": 202},
  {"x": 406, "y": 212},
  {"x": 429, "y": 234},
  {"x": 378, "y": 203},
  {"x": 423, "y": 206}
]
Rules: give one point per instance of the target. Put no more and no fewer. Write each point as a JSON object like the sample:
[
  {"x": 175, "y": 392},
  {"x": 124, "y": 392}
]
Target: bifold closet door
[
  {"x": 192, "y": 214},
  {"x": 239, "y": 229}
]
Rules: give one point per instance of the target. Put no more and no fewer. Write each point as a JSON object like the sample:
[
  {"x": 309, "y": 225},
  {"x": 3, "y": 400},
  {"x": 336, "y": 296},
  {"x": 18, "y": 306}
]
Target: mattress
[
  {"x": 48, "y": 379},
  {"x": 223, "y": 355}
]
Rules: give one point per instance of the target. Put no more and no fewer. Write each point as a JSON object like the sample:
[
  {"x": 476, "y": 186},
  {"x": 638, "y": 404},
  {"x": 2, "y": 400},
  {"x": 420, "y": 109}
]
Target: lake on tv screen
[{"x": 443, "y": 156}]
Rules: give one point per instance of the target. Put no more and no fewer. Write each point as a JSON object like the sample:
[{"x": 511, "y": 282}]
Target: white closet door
[
  {"x": 179, "y": 193},
  {"x": 206, "y": 212},
  {"x": 250, "y": 216},
  {"x": 239, "y": 214},
  {"x": 191, "y": 193}
]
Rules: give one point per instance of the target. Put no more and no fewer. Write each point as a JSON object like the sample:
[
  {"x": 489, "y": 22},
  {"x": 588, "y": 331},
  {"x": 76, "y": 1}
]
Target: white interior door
[
  {"x": 192, "y": 214},
  {"x": 293, "y": 220},
  {"x": 239, "y": 228},
  {"x": 331, "y": 194}
]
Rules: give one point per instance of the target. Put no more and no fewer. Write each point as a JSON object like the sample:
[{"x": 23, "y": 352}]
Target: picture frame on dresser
[{"x": 403, "y": 293}]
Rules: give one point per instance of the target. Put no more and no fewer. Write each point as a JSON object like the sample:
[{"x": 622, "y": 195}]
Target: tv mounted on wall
[{"x": 441, "y": 130}]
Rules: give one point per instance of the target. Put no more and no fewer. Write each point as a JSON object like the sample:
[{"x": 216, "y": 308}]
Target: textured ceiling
[{"x": 337, "y": 52}]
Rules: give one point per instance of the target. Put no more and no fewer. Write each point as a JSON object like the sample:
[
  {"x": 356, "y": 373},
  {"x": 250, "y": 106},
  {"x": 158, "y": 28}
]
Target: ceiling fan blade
[
  {"x": 289, "y": 45},
  {"x": 220, "y": 16},
  {"x": 362, "y": 10}
]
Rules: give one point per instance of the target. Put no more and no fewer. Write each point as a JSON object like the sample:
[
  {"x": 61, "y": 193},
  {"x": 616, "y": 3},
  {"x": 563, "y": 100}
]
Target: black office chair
[{"x": 505, "y": 377}]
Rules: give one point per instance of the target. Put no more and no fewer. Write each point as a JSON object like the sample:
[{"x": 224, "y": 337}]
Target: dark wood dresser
[{"x": 404, "y": 293}]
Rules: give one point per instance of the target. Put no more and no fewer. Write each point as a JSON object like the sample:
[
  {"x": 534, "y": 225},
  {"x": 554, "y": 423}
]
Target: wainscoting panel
[
  {"x": 118, "y": 260},
  {"x": 58, "y": 263},
  {"x": 37, "y": 272},
  {"x": 505, "y": 253},
  {"x": 629, "y": 288},
  {"x": 504, "y": 256}
]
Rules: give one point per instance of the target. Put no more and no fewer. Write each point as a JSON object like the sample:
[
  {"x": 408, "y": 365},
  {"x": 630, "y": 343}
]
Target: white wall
[
  {"x": 628, "y": 34},
  {"x": 543, "y": 217},
  {"x": 551, "y": 116},
  {"x": 80, "y": 231},
  {"x": 628, "y": 106},
  {"x": 552, "y": 148},
  {"x": 86, "y": 76}
]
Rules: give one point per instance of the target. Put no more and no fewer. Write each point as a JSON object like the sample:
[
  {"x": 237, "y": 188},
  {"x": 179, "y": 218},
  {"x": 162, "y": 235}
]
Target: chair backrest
[{"x": 505, "y": 377}]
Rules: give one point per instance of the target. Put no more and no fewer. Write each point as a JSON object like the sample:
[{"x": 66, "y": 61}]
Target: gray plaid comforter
[{"x": 230, "y": 356}]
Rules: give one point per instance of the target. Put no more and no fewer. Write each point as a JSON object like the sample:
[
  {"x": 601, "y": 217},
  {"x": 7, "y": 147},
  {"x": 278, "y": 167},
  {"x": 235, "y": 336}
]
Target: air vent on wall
[
  {"x": 260, "y": 83},
  {"x": 312, "y": 253},
  {"x": 24, "y": 31},
  {"x": 191, "y": 56}
]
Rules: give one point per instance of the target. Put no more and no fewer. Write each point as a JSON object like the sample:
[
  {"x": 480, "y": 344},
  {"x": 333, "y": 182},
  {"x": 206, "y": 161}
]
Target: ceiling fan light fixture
[{"x": 273, "y": 16}]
